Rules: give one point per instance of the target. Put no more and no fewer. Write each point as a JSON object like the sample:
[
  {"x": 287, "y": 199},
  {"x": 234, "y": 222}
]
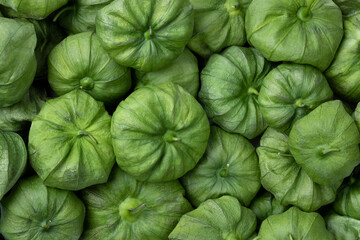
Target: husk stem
[
  {"x": 308, "y": 7},
  {"x": 330, "y": 150},
  {"x": 70, "y": 8},
  {"x": 138, "y": 207},
  {"x": 83, "y": 133},
  {"x": 47, "y": 225},
  {"x": 226, "y": 173}
]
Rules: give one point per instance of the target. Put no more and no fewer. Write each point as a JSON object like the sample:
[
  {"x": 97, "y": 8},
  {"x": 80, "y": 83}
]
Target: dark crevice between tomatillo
[
  {"x": 352, "y": 180},
  {"x": 46, "y": 225},
  {"x": 131, "y": 208},
  {"x": 84, "y": 133}
]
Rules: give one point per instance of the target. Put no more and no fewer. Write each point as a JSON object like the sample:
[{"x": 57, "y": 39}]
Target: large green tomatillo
[
  {"x": 17, "y": 59},
  {"x": 145, "y": 34},
  {"x": 159, "y": 133},
  {"x": 230, "y": 85},
  {"x": 325, "y": 143},
  {"x": 80, "y": 62},
  {"x": 70, "y": 143},
  {"x": 301, "y": 31},
  {"x": 35, "y": 211},
  {"x": 124, "y": 208}
]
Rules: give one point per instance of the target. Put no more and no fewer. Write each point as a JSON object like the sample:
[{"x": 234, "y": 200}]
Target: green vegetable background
[{"x": 179, "y": 119}]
